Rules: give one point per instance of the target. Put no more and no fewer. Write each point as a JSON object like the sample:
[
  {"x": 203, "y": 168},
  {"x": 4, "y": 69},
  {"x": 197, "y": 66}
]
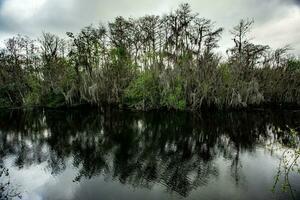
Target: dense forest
[{"x": 151, "y": 62}]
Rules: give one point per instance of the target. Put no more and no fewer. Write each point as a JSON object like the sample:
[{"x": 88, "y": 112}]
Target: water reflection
[{"x": 178, "y": 151}]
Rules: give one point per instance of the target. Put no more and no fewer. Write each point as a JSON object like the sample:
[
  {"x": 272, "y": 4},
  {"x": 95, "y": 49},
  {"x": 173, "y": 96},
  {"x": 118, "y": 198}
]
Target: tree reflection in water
[{"x": 176, "y": 150}]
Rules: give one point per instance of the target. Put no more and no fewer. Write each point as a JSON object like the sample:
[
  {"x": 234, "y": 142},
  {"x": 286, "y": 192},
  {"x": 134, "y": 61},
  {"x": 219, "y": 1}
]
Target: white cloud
[
  {"x": 282, "y": 31},
  {"x": 21, "y": 10}
]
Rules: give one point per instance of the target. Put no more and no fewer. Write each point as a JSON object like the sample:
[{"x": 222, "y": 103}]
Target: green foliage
[
  {"x": 118, "y": 55},
  {"x": 11, "y": 94},
  {"x": 53, "y": 99},
  {"x": 33, "y": 97},
  {"x": 293, "y": 65},
  {"x": 143, "y": 92},
  {"x": 173, "y": 96},
  {"x": 226, "y": 74},
  {"x": 4, "y": 100},
  {"x": 4, "y": 103}
]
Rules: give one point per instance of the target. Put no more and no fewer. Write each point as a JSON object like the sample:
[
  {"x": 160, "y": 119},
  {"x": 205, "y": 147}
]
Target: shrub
[
  {"x": 143, "y": 92},
  {"x": 173, "y": 96},
  {"x": 293, "y": 65},
  {"x": 33, "y": 96}
]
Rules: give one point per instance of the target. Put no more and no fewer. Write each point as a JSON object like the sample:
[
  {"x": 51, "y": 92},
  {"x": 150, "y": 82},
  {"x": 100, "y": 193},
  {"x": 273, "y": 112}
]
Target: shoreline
[{"x": 263, "y": 107}]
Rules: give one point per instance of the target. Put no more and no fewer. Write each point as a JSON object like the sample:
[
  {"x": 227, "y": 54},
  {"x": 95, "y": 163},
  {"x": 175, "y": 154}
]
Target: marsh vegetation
[{"x": 151, "y": 62}]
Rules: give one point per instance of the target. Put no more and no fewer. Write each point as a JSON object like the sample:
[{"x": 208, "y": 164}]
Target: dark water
[{"x": 85, "y": 154}]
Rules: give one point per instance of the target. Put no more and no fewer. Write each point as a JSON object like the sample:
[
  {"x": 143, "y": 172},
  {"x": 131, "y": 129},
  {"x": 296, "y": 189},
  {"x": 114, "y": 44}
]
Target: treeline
[{"x": 147, "y": 63}]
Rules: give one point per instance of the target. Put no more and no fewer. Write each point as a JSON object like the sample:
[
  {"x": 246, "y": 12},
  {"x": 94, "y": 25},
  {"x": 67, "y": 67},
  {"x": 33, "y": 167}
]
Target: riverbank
[{"x": 265, "y": 107}]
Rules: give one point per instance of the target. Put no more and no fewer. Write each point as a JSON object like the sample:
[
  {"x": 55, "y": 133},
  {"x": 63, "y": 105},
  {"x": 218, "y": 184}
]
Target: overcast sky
[{"x": 277, "y": 22}]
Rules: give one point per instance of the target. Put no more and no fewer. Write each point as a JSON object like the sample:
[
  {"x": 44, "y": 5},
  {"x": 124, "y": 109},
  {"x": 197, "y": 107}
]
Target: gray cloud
[
  {"x": 277, "y": 22},
  {"x": 297, "y": 2}
]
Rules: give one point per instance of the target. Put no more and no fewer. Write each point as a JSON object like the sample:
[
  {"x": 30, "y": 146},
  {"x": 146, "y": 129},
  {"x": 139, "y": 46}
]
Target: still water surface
[{"x": 115, "y": 155}]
